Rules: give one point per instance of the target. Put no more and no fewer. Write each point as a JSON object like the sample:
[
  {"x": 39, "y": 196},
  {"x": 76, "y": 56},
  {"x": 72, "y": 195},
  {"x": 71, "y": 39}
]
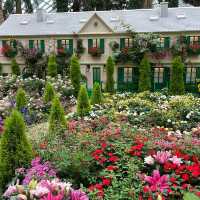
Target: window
[
  {"x": 96, "y": 43},
  {"x": 194, "y": 40},
  {"x": 161, "y": 43},
  {"x": 191, "y": 75},
  {"x": 128, "y": 75},
  {"x": 158, "y": 75},
  {"x": 128, "y": 42},
  {"x": 65, "y": 44}
]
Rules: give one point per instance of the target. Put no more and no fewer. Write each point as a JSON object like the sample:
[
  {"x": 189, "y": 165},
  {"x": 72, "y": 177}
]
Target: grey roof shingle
[{"x": 69, "y": 23}]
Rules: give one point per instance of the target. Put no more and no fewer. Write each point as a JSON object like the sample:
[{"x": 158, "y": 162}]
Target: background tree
[
  {"x": 15, "y": 67},
  {"x": 96, "y": 94},
  {"x": 177, "y": 77},
  {"x": 109, "y": 75},
  {"x": 15, "y": 150},
  {"x": 193, "y": 2},
  {"x": 172, "y": 3},
  {"x": 144, "y": 75},
  {"x": 52, "y": 66},
  {"x": 21, "y": 101},
  {"x": 75, "y": 74},
  {"x": 49, "y": 93},
  {"x": 57, "y": 120},
  {"x": 83, "y": 105},
  {"x": 62, "y": 5}
]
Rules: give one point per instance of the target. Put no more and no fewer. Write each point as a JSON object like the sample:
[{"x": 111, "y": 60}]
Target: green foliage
[
  {"x": 1, "y": 68},
  {"x": 15, "y": 150},
  {"x": 96, "y": 94},
  {"x": 145, "y": 75},
  {"x": 190, "y": 196},
  {"x": 83, "y": 105},
  {"x": 177, "y": 77},
  {"x": 172, "y": 3},
  {"x": 49, "y": 93},
  {"x": 75, "y": 74},
  {"x": 109, "y": 74},
  {"x": 52, "y": 66},
  {"x": 21, "y": 101},
  {"x": 15, "y": 68},
  {"x": 57, "y": 120}
]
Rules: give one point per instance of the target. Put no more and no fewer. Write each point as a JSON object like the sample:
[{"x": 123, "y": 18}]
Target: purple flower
[{"x": 78, "y": 195}]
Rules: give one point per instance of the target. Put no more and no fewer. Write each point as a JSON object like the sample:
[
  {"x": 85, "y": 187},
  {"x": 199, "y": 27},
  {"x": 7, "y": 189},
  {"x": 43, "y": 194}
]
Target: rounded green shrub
[
  {"x": 15, "y": 67},
  {"x": 75, "y": 74},
  {"x": 177, "y": 86},
  {"x": 21, "y": 101},
  {"x": 109, "y": 75},
  {"x": 145, "y": 75},
  {"x": 57, "y": 120},
  {"x": 52, "y": 66},
  {"x": 15, "y": 150},
  {"x": 96, "y": 94},
  {"x": 49, "y": 93},
  {"x": 83, "y": 105}
]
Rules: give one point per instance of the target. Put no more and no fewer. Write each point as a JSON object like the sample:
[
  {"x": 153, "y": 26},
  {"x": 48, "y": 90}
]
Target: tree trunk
[
  {"x": 18, "y": 7},
  {"x": 1, "y": 13},
  {"x": 148, "y": 3}
]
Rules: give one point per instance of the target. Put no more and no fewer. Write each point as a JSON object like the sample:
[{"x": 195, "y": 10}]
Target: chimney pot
[{"x": 40, "y": 15}]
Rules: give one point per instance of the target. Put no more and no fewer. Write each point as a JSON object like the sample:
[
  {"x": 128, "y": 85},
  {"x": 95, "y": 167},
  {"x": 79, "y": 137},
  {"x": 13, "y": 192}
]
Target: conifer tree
[
  {"x": 52, "y": 66},
  {"x": 177, "y": 77},
  {"x": 57, "y": 120},
  {"x": 96, "y": 94},
  {"x": 49, "y": 93},
  {"x": 75, "y": 74},
  {"x": 21, "y": 101},
  {"x": 15, "y": 67},
  {"x": 145, "y": 75},
  {"x": 15, "y": 150},
  {"x": 83, "y": 105},
  {"x": 109, "y": 75}
]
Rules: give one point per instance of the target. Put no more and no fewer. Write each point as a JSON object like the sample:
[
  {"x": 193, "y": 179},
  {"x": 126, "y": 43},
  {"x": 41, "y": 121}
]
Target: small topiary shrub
[
  {"x": 15, "y": 68},
  {"x": 21, "y": 101},
  {"x": 145, "y": 75},
  {"x": 75, "y": 74},
  {"x": 49, "y": 93},
  {"x": 52, "y": 66},
  {"x": 15, "y": 150},
  {"x": 57, "y": 120},
  {"x": 109, "y": 74},
  {"x": 96, "y": 94},
  {"x": 83, "y": 105},
  {"x": 177, "y": 73}
]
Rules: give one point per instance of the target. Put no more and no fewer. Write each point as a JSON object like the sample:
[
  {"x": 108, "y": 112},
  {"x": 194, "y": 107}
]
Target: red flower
[
  {"x": 169, "y": 166},
  {"x": 113, "y": 159},
  {"x": 184, "y": 186},
  {"x": 110, "y": 154},
  {"x": 146, "y": 189},
  {"x": 102, "y": 160},
  {"x": 103, "y": 145},
  {"x": 111, "y": 168},
  {"x": 173, "y": 180},
  {"x": 198, "y": 194},
  {"x": 185, "y": 177},
  {"x": 106, "y": 182}
]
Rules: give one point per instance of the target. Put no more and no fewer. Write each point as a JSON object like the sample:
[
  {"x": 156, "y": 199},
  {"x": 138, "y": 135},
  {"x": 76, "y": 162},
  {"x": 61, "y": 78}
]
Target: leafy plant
[
  {"x": 52, "y": 66},
  {"x": 21, "y": 101},
  {"x": 15, "y": 67},
  {"x": 96, "y": 94},
  {"x": 49, "y": 93},
  {"x": 190, "y": 196}
]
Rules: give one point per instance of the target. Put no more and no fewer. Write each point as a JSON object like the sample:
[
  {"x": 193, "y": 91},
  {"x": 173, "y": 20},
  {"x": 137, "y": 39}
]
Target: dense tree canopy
[
  {"x": 172, "y": 3},
  {"x": 193, "y": 2}
]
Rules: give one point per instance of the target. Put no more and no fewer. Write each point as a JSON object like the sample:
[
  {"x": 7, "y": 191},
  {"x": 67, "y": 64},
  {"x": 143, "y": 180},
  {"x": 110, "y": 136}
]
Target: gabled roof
[{"x": 72, "y": 22}]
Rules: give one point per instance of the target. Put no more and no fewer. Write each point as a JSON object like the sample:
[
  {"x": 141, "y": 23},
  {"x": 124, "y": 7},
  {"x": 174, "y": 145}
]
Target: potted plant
[{"x": 95, "y": 51}]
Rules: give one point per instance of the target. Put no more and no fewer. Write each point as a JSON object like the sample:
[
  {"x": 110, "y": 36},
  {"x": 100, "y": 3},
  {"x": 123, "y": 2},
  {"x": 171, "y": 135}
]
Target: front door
[{"x": 97, "y": 75}]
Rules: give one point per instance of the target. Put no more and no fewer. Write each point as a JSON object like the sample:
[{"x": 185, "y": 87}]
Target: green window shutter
[
  {"x": 71, "y": 48},
  {"x": 167, "y": 42},
  {"x": 122, "y": 43},
  {"x": 4, "y": 43},
  {"x": 90, "y": 43},
  {"x": 42, "y": 46},
  {"x": 120, "y": 74},
  {"x": 59, "y": 44},
  {"x": 198, "y": 72},
  {"x": 199, "y": 39},
  {"x": 102, "y": 45},
  {"x": 187, "y": 40},
  {"x": 31, "y": 44}
]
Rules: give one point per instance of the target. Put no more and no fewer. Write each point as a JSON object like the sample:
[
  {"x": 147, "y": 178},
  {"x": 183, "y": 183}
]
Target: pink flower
[
  {"x": 157, "y": 182},
  {"x": 162, "y": 156},
  {"x": 50, "y": 196},
  {"x": 175, "y": 160},
  {"x": 10, "y": 191},
  {"x": 78, "y": 195}
]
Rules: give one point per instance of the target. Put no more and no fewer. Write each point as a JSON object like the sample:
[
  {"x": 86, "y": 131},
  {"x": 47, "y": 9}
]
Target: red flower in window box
[
  {"x": 95, "y": 51},
  {"x": 9, "y": 51}
]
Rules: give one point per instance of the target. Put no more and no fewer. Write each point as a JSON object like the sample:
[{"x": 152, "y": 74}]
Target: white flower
[
  {"x": 149, "y": 160},
  {"x": 175, "y": 160},
  {"x": 169, "y": 120}
]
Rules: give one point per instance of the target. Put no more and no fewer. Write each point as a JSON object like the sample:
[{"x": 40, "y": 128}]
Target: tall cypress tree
[
  {"x": 96, "y": 94},
  {"x": 109, "y": 75},
  {"x": 15, "y": 150},
  {"x": 145, "y": 75},
  {"x": 52, "y": 66},
  {"x": 21, "y": 101},
  {"x": 177, "y": 86}
]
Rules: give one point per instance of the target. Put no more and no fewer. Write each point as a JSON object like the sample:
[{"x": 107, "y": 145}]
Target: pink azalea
[
  {"x": 175, "y": 160},
  {"x": 78, "y": 195},
  {"x": 157, "y": 182},
  {"x": 162, "y": 156},
  {"x": 10, "y": 191}
]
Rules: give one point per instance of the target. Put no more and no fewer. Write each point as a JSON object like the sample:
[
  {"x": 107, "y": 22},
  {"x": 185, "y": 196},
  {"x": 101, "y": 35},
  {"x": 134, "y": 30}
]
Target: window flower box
[
  {"x": 193, "y": 50},
  {"x": 64, "y": 52},
  {"x": 95, "y": 51},
  {"x": 8, "y": 51}
]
